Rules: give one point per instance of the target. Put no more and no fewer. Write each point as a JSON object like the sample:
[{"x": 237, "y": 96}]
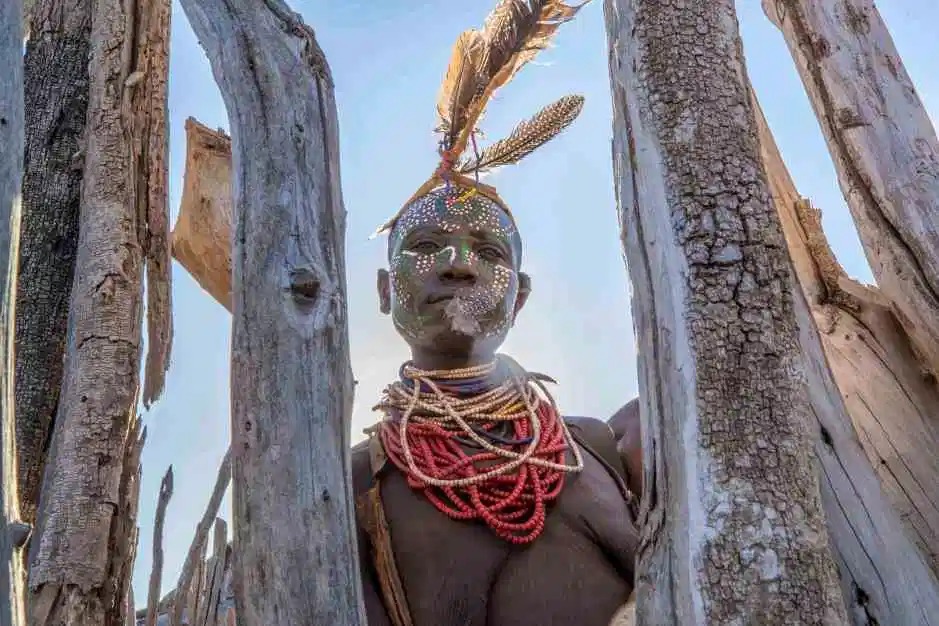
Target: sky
[{"x": 387, "y": 59}]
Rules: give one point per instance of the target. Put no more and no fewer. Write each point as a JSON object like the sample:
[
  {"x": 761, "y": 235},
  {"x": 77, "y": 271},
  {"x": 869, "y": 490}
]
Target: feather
[
  {"x": 461, "y": 81},
  {"x": 513, "y": 34},
  {"x": 528, "y": 136}
]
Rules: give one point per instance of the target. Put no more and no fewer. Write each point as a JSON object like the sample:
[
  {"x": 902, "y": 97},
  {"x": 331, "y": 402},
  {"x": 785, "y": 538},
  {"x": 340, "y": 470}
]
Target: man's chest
[{"x": 460, "y": 572}]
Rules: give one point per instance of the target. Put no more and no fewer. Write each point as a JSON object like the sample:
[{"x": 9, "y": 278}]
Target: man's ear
[
  {"x": 524, "y": 290},
  {"x": 384, "y": 292}
]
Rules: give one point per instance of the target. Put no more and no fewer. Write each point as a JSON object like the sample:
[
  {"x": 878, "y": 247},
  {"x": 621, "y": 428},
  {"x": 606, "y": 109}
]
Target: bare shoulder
[{"x": 626, "y": 428}]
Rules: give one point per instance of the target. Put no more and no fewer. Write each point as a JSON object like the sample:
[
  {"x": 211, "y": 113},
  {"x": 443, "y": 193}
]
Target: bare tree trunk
[
  {"x": 884, "y": 575},
  {"x": 56, "y": 77},
  {"x": 890, "y": 404},
  {"x": 85, "y": 543},
  {"x": 733, "y": 530},
  {"x": 11, "y": 172},
  {"x": 884, "y": 148},
  {"x": 291, "y": 376}
]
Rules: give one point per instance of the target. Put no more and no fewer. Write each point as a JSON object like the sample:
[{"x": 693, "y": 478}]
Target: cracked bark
[
  {"x": 862, "y": 356},
  {"x": 83, "y": 550},
  {"x": 733, "y": 529},
  {"x": 11, "y": 171},
  {"x": 884, "y": 148},
  {"x": 872, "y": 360},
  {"x": 291, "y": 376},
  {"x": 56, "y": 92}
]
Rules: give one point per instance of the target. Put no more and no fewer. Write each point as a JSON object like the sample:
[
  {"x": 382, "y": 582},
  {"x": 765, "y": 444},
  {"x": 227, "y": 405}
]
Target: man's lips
[{"x": 440, "y": 297}]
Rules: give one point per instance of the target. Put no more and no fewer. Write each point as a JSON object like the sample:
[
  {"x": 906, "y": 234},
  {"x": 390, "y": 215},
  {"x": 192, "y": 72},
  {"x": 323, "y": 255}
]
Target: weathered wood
[
  {"x": 148, "y": 107},
  {"x": 197, "y": 547},
  {"x": 208, "y": 609},
  {"x": 893, "y": 408},
  {"x": 202, "y": 235},
  {"x": 884, "y": 148},
  {"x": 156, "y": 572},
  {"x": 291, "y": 376},
  {"x": 86, "y": 532},
  {"x": 56, "y": 92},
  {"x": 885, "y": 578},
  {"x": 733, "y": 529},
  {"x": 11, "y": 172}
]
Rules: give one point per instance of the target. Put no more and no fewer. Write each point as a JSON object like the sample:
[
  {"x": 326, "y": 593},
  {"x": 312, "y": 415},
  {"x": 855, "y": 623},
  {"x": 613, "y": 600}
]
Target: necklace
[{"x": 497, "y": 409}]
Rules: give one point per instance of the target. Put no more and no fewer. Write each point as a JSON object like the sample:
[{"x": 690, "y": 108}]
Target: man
[{"x": 478, "y": 503}]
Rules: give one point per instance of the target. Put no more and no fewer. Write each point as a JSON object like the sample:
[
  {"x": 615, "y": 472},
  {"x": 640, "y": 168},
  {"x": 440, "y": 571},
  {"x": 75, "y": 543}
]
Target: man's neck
[{"x": 428, "y": 361}]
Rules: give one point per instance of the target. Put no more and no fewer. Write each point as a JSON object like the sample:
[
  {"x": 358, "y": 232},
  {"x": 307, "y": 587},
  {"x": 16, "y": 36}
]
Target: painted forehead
[{"x": 452, "y": 210}]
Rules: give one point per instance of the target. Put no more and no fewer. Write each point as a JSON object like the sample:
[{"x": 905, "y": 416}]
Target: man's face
[{"x": 454, "y": 279}]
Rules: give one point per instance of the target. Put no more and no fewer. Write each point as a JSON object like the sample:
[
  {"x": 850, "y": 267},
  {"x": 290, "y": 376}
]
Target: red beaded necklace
[{"x": 478, "y": 450}]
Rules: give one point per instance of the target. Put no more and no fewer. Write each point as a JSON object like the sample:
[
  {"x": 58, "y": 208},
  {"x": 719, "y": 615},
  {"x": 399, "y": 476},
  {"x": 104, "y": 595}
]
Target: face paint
[{"x": 454, "y": 257}]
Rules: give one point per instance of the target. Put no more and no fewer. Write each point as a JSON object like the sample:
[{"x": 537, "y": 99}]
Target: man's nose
[{"x": 460, "y": 269}]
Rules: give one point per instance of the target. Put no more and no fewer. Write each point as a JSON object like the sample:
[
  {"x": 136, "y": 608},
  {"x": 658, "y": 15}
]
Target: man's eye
[
  {"x": 491, "y": 253},
  {"x": 426, "y": 246}
]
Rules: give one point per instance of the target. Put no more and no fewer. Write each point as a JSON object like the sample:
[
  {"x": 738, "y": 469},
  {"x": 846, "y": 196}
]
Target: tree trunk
[
  {"x": 892, "y": 407},
  {"x": 291, "y": 376},
  {"x": 884, "y": 575},
  {"x": 56, "y": 77},
  {"x": 11, "y": 172},
  {"x": 733, "y": 530},
  {"x": 884, "y": 148},
  {"x": 85, "y": 542}
]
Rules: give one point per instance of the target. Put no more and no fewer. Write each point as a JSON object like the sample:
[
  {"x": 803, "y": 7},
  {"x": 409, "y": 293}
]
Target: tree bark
[
  {"x": 862, "y": 359},
  {"x": 85, "y": 541},
  {"x": 11, "y": 172},
  {"x": 884, "y": 148},
  {"x": 156, "y": 572},
  {"x": 891, "y": 405},
  {"x": 291, "y": 376},
  {"x": 733, "y": 530},
  {"x": 56, "y": 77}
]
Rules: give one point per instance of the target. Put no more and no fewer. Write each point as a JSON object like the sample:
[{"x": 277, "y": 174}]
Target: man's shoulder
[{"x": 361, "y": 467}]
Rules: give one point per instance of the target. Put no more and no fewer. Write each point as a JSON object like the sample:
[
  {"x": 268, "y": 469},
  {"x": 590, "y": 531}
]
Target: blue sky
[{"x": 388, "y": 58}]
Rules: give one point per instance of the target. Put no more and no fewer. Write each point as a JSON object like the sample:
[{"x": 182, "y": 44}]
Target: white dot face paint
[{"x": 453, "y": 267}]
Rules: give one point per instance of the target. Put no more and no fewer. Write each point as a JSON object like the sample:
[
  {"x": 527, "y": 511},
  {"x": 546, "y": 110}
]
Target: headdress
[{"x": 483, "y": 61}]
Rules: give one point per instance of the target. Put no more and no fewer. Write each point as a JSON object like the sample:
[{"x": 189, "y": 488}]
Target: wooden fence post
[
  {"x": 296, "y": 559},
  {"x": 11, "y": 173}
]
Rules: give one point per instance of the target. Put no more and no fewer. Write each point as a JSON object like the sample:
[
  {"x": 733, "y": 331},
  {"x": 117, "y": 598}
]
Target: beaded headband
[{"x": 482, "y": 61}]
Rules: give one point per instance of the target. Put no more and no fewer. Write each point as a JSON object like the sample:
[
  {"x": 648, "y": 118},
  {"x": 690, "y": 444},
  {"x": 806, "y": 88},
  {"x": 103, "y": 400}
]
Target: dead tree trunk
[
  {"x": 733, "y": 529},
  {"x": 861, "y": 348},
  {"x": 84, "y": 547},
  {"x": 291, "y": 376},
  {"x": 11, "y": 172},
  {"x": 890, "y": 404},
  {"x": 884, "y": 148},
  {"x": 56, "y": 78}
]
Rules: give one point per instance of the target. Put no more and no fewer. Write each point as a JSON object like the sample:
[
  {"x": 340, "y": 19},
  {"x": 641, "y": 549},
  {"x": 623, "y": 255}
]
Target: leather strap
[{"x": 372, "y": 517}]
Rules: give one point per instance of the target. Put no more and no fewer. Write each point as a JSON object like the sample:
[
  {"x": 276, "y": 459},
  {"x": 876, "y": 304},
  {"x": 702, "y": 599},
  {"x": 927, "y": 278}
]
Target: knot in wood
[{"x": 304, "y": 285}]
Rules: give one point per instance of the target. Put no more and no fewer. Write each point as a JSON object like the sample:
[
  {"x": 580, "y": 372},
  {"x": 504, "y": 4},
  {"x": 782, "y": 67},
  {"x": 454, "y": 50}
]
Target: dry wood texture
[
  {"x": 291, "y": 376},
  {"x": 86, "y": 537},
  {"x": 885, "y": 577},
  {"x": 884, "y": 148},
  {"x": 197, "y": 548},
  {"x": 201, "y": 238},
  {"x": 56, "y": 78},
  {"x": 11, "y": 172},
  {"x": 156, "y": 573},
  {"x": 894, "y": 409},
  {"x": 733, "y": 528}
]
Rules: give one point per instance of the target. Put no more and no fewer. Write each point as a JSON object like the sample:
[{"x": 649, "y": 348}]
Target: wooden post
[
  {"x": 884, "y": 148},
  {"x": 11, "y": 172},
  {"x": 56, "y": 95},
  {"x": 733, "y": 529},
  {"x": 850, "y": 339},
  {"x": 85, "y": 540},
  {"x": 296, "y": 560}
]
